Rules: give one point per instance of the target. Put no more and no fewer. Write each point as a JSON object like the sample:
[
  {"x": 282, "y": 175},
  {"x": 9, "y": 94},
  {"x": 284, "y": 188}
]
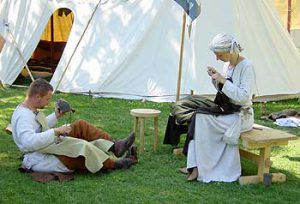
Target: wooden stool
[{"x": 142, "y": 114}]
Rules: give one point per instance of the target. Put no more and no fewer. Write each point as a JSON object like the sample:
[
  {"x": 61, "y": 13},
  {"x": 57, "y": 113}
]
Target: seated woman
[{"x": 213, "y": 153}]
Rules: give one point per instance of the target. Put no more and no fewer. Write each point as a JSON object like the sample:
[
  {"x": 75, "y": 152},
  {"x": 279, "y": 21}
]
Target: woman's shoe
[
  {"x": 194, "y": 175},
  {"x": 183, "y": 170}
]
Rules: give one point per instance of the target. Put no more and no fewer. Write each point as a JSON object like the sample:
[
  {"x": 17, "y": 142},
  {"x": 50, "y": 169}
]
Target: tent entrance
[{"x": 49, "y": 50}]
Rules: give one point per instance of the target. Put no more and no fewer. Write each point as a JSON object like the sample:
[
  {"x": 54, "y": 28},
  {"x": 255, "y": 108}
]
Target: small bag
[{"x": 63, "y": 106}]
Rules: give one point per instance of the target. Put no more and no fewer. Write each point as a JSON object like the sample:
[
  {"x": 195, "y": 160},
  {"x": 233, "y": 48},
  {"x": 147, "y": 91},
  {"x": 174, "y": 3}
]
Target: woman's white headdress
[{"x": 225, "y": 43}]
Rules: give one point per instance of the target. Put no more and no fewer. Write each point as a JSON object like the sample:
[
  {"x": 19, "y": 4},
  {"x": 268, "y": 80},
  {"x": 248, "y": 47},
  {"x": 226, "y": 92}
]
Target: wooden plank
[
  {"x": 253, "y": 145},
  {"x": 249, "y": 155},
  {"x": 244, "y": 180},
  {"x": 267, "y": 135},
  {"x": 276, "y": 177}
]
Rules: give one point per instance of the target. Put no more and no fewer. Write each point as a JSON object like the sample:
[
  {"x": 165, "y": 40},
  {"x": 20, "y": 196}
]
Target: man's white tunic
[{"x": 28, "y": 136}]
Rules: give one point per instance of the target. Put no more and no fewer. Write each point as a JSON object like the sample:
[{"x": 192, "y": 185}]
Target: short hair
[{"x": 39, "y": 87}]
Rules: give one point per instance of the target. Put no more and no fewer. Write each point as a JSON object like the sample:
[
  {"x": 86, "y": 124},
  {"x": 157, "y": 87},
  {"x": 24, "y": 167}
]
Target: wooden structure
[
  {"x": 263, "y": 138},
  {"x": 142, "y": 114}
]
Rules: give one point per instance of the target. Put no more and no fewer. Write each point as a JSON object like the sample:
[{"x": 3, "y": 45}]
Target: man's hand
[
  {"x": 58, "y": 113},
  {"x": 62, "y": 130}
]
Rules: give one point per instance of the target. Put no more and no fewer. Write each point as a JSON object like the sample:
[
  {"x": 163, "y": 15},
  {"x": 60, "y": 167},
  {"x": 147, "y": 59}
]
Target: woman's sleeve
[{"x": 243, "y": 92}]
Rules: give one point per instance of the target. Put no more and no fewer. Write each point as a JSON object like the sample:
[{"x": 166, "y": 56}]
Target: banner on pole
[{"x": 191, "y": 7}]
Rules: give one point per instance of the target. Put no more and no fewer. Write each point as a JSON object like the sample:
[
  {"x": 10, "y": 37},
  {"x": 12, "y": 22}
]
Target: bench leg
[
  {"x": 264, "y": 164},
  {"x": 142, "y": 126},
  {"x": 155, "y": 133}
]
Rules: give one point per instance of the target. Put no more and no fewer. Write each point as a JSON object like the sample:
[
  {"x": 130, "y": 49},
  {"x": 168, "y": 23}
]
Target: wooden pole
[
  {"x": 181, "y": 56},
  {"x": 20, "y": 53},
  {"x": 289, "y": 15},
  {"x": 52, "y": 43}
]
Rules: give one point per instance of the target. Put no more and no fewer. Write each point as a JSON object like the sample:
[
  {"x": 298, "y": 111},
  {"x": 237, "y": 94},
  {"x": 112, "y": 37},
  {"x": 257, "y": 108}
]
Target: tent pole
[
  {"x": 52, "y": 43},
  {"x": 64, "y": 72},
  {"x": 19, "y": 52},
  {"x": 181, "y": 55},
  {"x": 289, "y": 15}
]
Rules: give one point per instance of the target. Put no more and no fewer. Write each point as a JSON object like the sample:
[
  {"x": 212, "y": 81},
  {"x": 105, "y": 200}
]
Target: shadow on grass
[{"x": 297, "y": 159}]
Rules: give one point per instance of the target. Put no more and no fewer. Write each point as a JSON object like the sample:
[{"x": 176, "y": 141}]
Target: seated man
[{"x": 47, "y": 149}]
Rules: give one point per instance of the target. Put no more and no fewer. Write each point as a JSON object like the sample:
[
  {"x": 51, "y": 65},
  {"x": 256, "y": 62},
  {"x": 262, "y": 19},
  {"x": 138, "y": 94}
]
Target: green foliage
[{"x": 155, "y": 178}]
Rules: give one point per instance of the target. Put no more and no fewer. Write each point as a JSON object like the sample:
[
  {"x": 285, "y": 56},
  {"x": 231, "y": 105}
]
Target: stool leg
[
  {"x": 135, "y": 125},
  {"x": 155, "y": 133},
  {"x": 142, "y": 125}
]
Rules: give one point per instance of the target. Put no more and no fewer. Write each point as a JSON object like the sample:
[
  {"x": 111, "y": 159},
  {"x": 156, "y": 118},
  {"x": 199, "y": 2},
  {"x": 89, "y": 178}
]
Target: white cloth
[
  {"x": 288, "y": 122},
  {"x": 216, "y": 160},
  {"x": 28, "y": 137}
]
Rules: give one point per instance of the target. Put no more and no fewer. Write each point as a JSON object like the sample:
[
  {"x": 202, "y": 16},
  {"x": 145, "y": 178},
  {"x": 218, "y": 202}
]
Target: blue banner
[{"x": 191, "y": 7}]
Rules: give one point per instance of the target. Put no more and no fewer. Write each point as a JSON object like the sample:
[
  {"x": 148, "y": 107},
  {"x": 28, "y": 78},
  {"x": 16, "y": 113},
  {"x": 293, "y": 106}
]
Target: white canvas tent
[{"x": 130, "y": 49}]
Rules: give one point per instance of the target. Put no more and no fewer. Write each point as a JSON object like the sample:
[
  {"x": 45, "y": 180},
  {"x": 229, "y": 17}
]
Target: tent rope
[
  {"x": 19, "y": 51},
  {"x": 64, "y": 72}
]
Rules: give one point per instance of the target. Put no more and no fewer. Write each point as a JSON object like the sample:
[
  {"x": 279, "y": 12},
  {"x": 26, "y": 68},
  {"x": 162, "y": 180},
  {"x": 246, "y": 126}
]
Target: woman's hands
[
  {"x": 211, "y": 70},
  {"x": 214, "y": 74}
]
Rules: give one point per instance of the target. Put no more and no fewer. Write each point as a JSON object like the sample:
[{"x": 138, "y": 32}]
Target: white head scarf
[{"x": 225, "y": 43}]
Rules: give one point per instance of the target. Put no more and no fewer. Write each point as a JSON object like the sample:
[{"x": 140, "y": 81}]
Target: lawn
[{"x": 155, "y": 178}]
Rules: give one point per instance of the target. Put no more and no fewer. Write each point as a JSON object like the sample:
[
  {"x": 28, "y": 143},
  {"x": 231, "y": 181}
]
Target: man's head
[{"x": 39, "y": 93}]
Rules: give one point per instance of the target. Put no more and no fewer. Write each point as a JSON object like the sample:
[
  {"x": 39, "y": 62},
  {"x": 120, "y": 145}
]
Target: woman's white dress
[{"x": 216, "y": 160}]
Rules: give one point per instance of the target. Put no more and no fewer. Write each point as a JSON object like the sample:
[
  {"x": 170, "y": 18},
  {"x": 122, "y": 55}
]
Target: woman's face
[{"x": 223, "y": 56}]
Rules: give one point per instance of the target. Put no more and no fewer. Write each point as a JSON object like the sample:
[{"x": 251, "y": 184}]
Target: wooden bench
[{"x": 262, "y": 138}]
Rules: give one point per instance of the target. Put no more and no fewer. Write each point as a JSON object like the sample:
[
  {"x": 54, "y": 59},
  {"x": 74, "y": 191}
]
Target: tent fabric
[
  {"x": 61, "y": 27},
  {"x": 282, "y": 8},
  {"x": 27, "y": 20},
  {"x": 130, "y": 49}
]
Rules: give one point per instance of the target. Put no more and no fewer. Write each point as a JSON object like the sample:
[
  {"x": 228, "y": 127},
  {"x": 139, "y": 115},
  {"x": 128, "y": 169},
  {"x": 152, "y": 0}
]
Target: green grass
[{"x": 155, "y": 178}]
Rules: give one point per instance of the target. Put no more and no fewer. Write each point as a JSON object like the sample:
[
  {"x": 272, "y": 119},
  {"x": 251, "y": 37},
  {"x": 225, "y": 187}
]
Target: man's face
[
  {"x": 223, "y": 56},
  {"x": 43, "y": 101}
]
